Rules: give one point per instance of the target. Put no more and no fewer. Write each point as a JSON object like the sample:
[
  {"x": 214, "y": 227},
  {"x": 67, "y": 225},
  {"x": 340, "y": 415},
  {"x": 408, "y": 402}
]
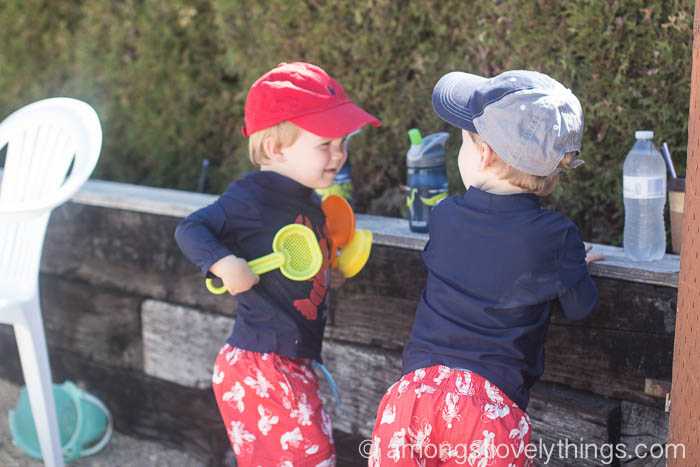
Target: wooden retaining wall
[{"x": 128, "y": 318}]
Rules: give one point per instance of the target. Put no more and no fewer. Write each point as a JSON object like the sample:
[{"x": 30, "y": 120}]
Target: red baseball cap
[{"x": 305, "y": 95}]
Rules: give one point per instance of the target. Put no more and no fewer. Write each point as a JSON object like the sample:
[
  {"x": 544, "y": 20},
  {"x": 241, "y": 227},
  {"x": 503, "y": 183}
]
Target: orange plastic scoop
[{"x": 341, "y": 223}]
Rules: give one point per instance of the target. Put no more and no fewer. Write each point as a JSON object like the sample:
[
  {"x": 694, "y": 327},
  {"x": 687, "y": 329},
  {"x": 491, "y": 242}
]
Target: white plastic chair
[{"x": 52, "y": 148}]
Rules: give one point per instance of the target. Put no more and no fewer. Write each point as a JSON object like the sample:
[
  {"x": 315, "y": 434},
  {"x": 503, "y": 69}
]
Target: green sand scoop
[{"x": 295, "y": 252}]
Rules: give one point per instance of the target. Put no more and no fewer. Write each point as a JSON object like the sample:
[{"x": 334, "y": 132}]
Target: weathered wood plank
[
  {"x": 180, "y": 344},
  {"x": 377, "y": 306},
  {"x": 388, "y": 275},
  {"x": 565, "y": 422},
  {"x": 390, "y": 272},
  {"x": 394, "y": 232},
  {"x": 630, "y": 306},
  {"x": 363, "y": 374},
  {"x": 642, "y": 430},
  {"x": 628, "y": 338},
  {"x": 128, "y": 251},
  {"x": 140, "y": 198},
  {"x": 356, "y": 319},
  {"x": 10, "y": 366},
  {"x": 388, "y": 231},
  {"x": 618, "y": 266},
  {"x": 611, "y": 363},
  {"x": 100, "y": 324},
  {"x": 366, "y": 311},
  {"x": 347, "y": 447}
]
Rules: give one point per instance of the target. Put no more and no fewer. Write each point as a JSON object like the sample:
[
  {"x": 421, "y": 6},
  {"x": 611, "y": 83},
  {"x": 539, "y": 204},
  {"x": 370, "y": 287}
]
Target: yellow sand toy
[
  {"x": 295, "y": 252},
  {"x": 355, "y": 254}
]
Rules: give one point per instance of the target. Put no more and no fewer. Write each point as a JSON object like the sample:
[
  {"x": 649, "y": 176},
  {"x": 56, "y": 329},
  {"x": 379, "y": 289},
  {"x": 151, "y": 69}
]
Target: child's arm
[
  {"x": 235, "y": 274},
  {"x": 580, "y": 295},
  {"x": 199, "y": 234}
]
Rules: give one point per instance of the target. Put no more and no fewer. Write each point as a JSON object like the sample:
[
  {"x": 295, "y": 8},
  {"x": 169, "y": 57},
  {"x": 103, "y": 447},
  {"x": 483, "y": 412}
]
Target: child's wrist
[{"x": 220, "y": 267}]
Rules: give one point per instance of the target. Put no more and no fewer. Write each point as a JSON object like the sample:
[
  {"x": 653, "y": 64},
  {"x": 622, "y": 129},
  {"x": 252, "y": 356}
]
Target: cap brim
[
  {"x": 337, "y": 121},
  {"x": 451, "y": 98}
]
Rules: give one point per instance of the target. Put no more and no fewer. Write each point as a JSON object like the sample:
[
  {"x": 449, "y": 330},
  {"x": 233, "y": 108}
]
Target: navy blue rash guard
[
  {"x": 277, "y": 315},
  {"x": 498, "y": 266}
]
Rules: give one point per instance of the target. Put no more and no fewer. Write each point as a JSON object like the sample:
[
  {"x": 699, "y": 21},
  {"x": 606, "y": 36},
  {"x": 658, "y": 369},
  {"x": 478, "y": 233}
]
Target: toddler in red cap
[{"x": 297, "y": 118}]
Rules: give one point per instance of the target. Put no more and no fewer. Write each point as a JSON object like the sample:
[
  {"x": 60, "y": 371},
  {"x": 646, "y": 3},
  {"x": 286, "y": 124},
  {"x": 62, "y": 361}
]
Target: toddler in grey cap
[
  {"x": 498, "y": 266},
  {"x": 532, "y": 123}
]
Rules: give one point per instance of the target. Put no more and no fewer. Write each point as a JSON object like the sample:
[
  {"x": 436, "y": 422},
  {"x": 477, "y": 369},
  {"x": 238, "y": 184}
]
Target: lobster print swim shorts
[
  {"x": 439, "y": 416},
  {"x": 272, "y": 409}
]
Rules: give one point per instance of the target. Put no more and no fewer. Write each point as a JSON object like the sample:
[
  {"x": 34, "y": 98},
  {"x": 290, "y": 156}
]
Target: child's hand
[
  {"x": 593, "y": 256},
  {"x": 235, "y": 274},
  {"x": 337, "y": 278}
]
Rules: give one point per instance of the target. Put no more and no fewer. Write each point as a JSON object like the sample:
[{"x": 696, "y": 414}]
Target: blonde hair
[
  {"x": 283, "y": 134},
  {"x": 537, "y": 184}
]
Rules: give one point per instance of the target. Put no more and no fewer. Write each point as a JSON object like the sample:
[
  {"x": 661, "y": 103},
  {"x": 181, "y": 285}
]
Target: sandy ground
[{"x": 122, "y": 450}]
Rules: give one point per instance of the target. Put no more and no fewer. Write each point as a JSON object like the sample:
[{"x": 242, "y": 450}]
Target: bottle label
[{"x": 643, "y": 187}]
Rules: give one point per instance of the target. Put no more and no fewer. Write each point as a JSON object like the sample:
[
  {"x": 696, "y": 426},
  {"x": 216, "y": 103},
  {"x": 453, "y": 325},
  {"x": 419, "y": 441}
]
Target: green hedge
[{"x": 169, "y": 79}]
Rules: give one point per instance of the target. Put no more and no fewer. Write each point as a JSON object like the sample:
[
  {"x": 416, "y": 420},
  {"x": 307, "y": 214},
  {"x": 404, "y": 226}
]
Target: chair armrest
[
  {"x": 23, "y": 214},
  {"x": 37, "y": 208},
  {"x": 28, "y": 210}
]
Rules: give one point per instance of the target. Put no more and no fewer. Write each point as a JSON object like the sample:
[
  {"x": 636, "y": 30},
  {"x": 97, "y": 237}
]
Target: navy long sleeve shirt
[
  {"x": 498, "y": 266},
  {"x": 278, "y": 314}
]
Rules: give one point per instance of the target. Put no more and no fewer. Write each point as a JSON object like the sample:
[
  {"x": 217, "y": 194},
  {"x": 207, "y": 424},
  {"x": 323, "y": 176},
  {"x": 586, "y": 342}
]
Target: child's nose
[{"x": 338, "y": 152}]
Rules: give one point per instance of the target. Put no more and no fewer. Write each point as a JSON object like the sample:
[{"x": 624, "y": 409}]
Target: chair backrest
[{"x": 52, "y": 148}]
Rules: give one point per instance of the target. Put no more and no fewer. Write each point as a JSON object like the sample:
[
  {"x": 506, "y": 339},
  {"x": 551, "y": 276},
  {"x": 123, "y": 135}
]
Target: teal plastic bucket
[{"x": 84, "y": 423}]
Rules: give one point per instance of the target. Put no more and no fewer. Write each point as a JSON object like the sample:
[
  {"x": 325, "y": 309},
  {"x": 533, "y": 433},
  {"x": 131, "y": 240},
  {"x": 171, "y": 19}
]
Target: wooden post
[{"x": 684, "y": 427}]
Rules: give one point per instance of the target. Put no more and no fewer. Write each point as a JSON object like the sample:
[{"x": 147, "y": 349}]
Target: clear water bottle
[
  {"x": 644, "y": 192},
  {"x": 426, "y": 177}
]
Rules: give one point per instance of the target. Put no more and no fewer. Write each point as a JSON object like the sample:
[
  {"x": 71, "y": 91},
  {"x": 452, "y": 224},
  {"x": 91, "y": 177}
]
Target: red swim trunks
[
  {"x": 438, "y": 416},
  {"x": 272, "y": 410}
]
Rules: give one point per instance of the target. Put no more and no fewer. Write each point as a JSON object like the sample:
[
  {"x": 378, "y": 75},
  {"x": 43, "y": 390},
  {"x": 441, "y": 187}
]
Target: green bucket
[{"x": 84, "y": 423}]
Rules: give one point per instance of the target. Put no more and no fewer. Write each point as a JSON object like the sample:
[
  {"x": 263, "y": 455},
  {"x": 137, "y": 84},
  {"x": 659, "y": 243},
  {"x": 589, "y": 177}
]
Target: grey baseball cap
[{"x": 529, "y": 119}]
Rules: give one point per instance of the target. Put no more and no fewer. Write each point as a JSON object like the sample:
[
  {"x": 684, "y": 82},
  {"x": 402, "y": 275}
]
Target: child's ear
[
  {"x": 272, "y": 151},
  {"x": 486, "y": 156}
]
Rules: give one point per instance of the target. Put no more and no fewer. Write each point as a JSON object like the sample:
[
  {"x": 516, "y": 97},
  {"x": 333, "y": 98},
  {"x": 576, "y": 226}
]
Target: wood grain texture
[
  {"x": 642, "y": 430},
  {"x": 180, "y": 344},
  {"x": 564, "y": 421},
  {"x": 128, "y": 251},
  {"x": 100, "y": 324}
]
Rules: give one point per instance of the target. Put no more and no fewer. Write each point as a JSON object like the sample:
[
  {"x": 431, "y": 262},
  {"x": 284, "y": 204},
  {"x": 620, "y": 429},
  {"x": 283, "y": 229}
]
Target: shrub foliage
[{"x": 169, "y": 79}]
